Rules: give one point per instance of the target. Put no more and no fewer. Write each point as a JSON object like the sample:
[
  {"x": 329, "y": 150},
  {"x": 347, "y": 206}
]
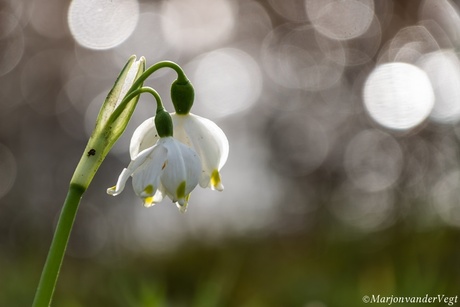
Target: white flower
[
  {"x": 168, "y": 167},
  {"x": 201, "y": 134}
]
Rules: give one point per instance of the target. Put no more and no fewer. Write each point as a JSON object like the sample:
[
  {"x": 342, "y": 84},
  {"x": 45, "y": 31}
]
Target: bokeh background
[{"x": 343, "y": 176}]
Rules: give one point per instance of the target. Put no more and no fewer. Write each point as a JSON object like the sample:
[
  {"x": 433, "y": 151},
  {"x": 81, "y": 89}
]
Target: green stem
[
  {"x": 58, "y": 247},
  {"x": 56, "y": 253},
  {"x": 130, "y": 96},
  {"x": 181, "y": 77}
]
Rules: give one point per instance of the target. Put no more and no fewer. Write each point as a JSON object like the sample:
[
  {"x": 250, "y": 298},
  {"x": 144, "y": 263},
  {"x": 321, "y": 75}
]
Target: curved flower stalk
[{"x": 201, "y": 134}]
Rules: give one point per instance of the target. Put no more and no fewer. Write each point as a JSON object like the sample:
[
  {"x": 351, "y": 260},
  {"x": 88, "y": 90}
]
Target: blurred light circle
[
  {"x": 290, "y": 9},
  {"x": 102, "y": 24},
  {"x": 356, "y": 51},
  {"x": 373, "y": 160},
  {"x": 293, "y": 59},
  {"x": 13, "y": 14},
  {"x": 253, "y": 21},
  {"x": 409, "y": 53},
  {"x": 148, "y": 40},
  {"x": 445, "y": 14},
  {"x": 158, "y": 229},
  {"x": 340, "y": 20},
  {"x": 12, "y": 45},
  {"x": 367, "y": 211},
  {"x": 89, "y": 233},
  {"x": 398, "y": 95},
  {"x": 78, "y": 90},
  {"x": 46, "y": 17},
  {"x": 443, "y": 69},
  {"x": 8, "y": 23},
  {"x": 71, "y": 123},
  {"x": 9, "y": 100},
  {"x": 300, "y": 143},
  {"x": 332, "y": 48},
  {"x": 409, "y": 44},
  {"x": 92, "y": 111},
  {"x": 234, "y": 216},
  {"x": 417, "y": 164},
  {"x": 194, "y": 25},
  {"x": 446, "y": 199},
  {"x": 102, "y": 64},
  {"x": 226, "y": 81},
  {"x": 8, "y": 170},
  {"x": 41, "y": 79}
]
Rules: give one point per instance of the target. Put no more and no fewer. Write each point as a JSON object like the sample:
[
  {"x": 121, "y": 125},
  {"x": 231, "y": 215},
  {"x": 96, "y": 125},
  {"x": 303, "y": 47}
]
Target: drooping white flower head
[
  {"x": 168, "y": 167},
  {"x": 201, "y": 134}
]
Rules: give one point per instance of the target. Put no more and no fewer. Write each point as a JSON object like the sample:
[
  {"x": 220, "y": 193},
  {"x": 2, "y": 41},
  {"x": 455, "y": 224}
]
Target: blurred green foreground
[{"x": 310, "y": 271}]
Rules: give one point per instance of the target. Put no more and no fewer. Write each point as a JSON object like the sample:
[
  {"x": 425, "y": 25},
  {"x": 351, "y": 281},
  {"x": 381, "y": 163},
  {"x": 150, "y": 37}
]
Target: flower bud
[
  {"x": 108, "y": 127},
  {"x": 163, "y": 122},
  {"x": 182, "y": 96}
]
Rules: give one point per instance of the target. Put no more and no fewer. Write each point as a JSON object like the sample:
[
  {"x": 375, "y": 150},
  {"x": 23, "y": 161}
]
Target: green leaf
[{"x": 108, "y": 128}]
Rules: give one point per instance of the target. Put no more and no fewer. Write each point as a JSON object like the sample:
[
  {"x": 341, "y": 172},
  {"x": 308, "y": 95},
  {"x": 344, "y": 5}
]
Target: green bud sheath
[
  {"x": 182, "y": 96},
  {"x": 163, "y": 123}
]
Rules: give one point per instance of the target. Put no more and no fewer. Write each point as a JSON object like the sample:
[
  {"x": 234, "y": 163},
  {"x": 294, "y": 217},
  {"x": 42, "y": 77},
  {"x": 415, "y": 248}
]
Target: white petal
[
  {"x": 213, "y": 138},
  {"x": 131, "y": 76},
  {"x": 210, "y": 143},
  {"x": 121, "y": 182},
  {"x": 214, "y": 182},
  {"x": 143, "y": 137},
  {"x": 127, "y": 172},
  {"x": 179, "y": 130},
  {"x": 182, "y": 172},
  {"x": 159, "y": 195},
  {"x": 146, "y": 178}
]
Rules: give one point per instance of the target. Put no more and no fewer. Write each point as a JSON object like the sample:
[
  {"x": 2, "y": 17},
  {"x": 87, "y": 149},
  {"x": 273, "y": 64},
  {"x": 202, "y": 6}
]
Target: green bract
[
  {"x": 182, "y": 96},
  {"x": 164, "y": 123},
  {"x": 112, "y": 120}
]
